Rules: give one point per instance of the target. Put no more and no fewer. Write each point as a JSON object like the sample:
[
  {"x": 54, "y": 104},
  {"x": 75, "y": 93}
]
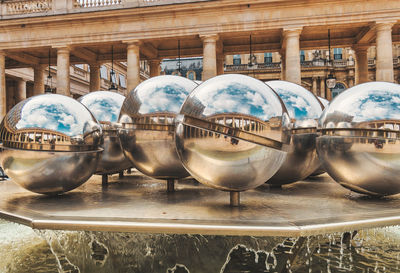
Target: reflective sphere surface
[
  {"x": 304, "y": 109},
  {"x": 324, "y": 102},
  {"x": 106, "y": 107},
  {"x": 230, "y": 131},
  {"x": 147, "y": 118},
  {"x": 320, "y": 169},
  {"x": 51, "y": 143},
  {"x": 359, "y": 145}
]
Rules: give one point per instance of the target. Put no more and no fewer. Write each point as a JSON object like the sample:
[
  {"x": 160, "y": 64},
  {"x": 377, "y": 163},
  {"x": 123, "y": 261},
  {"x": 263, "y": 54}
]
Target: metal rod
[
  {"x": 235, "y": 198},
  {"x": 329, "y": 44},
  {"x": 104, "y": 180},
  {"x": 129, "y": 171},
  {"x": 121, "y": 174},
  {"x": 49, "y": 76},
  {"x": 112, "y": 73},
  {"x": 179, "y": 56},
  {"x": 170, "y": 185},
  {"x": 250, "y": 51}
]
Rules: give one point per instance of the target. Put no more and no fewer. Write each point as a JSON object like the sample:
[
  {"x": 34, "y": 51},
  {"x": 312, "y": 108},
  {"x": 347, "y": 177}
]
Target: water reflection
[{"x": 25, "y": 250}]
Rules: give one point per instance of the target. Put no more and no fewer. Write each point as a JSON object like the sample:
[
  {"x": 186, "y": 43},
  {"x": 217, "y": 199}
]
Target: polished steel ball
[
  {"x": 51, "y": 144},
  {"x": 106, "y": 106},
  {"x": 324, "y": 102},
  {"x": 147, "y": 118},
  {"x": 360, "y": 133},
  {"x": 230, "y": 131},
  {"x": 304, "y": 110},
  {"x": 320, "y": 169}
]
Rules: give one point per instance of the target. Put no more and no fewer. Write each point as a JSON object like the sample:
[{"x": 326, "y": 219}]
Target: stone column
[
  {"x": 155, "y": 67},
  {"x": 322, "y": 92},
  {"x": 350, "y": 81},
  {"x": 94, "y": 77},
  {"x": 133, "y": 65},
  {"x": 283, "y": 65},
  {"x": 361, "y": 64},
  {"x": 384, "y": 55},
  {"x": 10, "y": 100},
  {"x": 314, "y": 86},
  {"x": 3, "y": 99},
  {"x": 20, "y": 93},
  {"x": 63, "y": 80},
  {"x": 38, "y": 79},
  {"x": 220, "y": 64},
  {"x": 209, "y": 56},
  {"x": 291, "y": 40}
]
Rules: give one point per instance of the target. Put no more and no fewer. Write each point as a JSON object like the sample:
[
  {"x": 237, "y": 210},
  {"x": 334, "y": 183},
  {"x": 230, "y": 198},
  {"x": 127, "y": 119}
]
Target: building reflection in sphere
[
  {"x": 148, "y": 125},
  {"x": 320, "y": 169},
  {"x": 230, "y": 132},
  {"x": 51, "y": 144},
  {"x": 106, "y": 106},
  {"x": 359, "y": 142},
  {"x": 304, "y": 109}
]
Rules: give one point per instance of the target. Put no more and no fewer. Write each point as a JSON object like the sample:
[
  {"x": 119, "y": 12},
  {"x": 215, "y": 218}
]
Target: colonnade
[{"x": 213, "y": 63}]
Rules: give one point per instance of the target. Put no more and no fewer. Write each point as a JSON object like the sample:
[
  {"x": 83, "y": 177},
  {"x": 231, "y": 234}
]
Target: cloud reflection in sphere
[
  {"x": 148, "y": 116},
  {"x": 51, "y": 144},
  {"x": 51, "y": 112},
  {"x": 304, "y": 110},
  {"x": 106, "y": 107},
  {"x": 223, "y": 131},
  {"x": 359, "y": 145}
]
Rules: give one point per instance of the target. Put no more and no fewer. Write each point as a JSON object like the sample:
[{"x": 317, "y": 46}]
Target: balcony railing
[
  {"x": 243, "y": 67},
  {"x": 372, "y": 62},
  {"x": 96, "y": 3},
  {"x": 25, "y": 8}
]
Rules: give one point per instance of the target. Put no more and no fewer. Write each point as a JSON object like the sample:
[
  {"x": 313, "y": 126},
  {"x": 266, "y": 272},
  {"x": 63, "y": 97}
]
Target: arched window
[
  {"x": 339, "y": 88},
  {"x": 103, "y": 72},
  {"x": 237, "y": 59},
  {"x": 302, "y": 56},
  {"x": 268, "y": 57},
  {"x": 122, "y": 80},
  {"x": 337, "y": 54},
  {"x": 191, "y": 75}
]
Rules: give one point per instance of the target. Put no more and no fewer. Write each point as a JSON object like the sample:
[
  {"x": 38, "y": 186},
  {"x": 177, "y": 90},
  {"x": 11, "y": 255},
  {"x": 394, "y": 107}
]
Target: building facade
[{"x": 62, "y": 33}]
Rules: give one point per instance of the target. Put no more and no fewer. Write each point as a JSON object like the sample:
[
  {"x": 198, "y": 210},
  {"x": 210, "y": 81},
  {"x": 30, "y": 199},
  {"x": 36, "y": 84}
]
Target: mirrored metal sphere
[
  {"x": 230, "y": 132},
  {"x": 320, "y": 169},
  {"x": 106, "y": 106},
  {"x": 51, "y": 144},
  {"x": 147, "y": 118},
  {"x": 304, "y": 110},
  {"x": 359, "y": 142},
  {"x": 324, "y": 102}
]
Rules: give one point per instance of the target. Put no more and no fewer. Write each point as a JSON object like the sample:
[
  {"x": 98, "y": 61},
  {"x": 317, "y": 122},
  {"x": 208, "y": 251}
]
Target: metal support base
[
  {"x": 121, "y": 174},
  {"x": 129, "y": 171},
  {"x": 104, "y": 180},
  {"x": 235, "y": 198},
  {"x": 170, "y": 185}
]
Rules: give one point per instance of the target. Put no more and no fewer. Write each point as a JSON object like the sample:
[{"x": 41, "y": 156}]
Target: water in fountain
[{"x": 25, "y": 250}]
